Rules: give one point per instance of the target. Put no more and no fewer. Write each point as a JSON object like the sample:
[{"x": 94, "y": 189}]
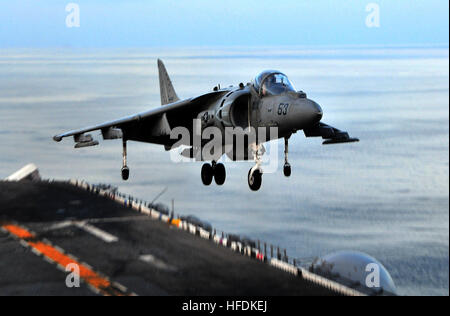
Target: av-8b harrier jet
[{"x": 270, "y": 101}]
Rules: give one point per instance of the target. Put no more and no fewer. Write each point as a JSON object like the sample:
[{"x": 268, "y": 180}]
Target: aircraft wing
[
  {"x": 331, "y": 135},
  {"x": 115, "y": 129}
]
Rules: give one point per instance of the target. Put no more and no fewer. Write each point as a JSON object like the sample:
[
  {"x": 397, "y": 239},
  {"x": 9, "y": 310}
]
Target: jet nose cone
[{"x": 317, "y": 111}]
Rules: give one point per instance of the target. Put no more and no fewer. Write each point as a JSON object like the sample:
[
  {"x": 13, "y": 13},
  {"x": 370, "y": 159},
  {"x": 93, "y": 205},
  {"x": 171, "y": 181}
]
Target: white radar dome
[{"x": 357, "y": 269}]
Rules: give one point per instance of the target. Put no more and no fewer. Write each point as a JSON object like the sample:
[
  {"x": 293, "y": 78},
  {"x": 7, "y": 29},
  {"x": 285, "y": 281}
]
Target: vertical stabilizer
[{"x": 168, "y": 94}]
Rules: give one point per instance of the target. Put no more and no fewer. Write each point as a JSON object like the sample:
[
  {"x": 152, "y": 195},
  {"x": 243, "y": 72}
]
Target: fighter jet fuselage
[
  {"x": 269, "y": 103},
  {"x": 289, "y": 111}
]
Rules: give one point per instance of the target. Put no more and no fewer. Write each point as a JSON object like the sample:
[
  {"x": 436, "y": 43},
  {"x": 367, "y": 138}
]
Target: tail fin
[{"x": 168, "y": 94}]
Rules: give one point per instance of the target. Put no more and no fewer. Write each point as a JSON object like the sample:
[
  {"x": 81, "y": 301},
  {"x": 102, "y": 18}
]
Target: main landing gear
[
  {"x": 287, "y": 166},
  {"x": 125, "y": 169},
  {"x": 213, "y": 170}
]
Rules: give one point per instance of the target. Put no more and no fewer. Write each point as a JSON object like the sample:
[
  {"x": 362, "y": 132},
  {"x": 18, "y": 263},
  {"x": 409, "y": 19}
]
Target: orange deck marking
[
  {"x": 90, "y": 277},
  {"x": 18, "y": 231}
]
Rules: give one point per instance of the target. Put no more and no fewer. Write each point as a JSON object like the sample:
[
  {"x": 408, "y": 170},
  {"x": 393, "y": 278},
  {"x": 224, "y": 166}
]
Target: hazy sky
[{"x": 153, "y": 23}]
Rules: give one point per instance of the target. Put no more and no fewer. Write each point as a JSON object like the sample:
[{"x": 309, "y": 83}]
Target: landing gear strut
[
  {"x": 287, "y": 166},
  {"x": 255, "y": 173},
  {"x": 125, "y": 169},
  {"x": 214, "y": 170}
]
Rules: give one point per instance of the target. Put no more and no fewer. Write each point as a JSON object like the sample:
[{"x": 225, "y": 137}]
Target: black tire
[
  {"x": 125, "y": 173},
  {"x": 220, "y": 174},
  {"x": 207, "y": 174},
  {"x": 287, "y": 170},
  {"x": 255, "y": 180}
]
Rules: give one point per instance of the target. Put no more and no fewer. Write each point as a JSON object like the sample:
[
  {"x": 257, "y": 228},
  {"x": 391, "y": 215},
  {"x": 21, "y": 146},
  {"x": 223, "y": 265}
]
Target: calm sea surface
[{"x": 387, "y": 195}]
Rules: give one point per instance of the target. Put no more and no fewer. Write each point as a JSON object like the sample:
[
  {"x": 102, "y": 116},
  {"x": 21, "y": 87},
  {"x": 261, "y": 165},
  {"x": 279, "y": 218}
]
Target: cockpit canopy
[{"x": 272, "y": 82}]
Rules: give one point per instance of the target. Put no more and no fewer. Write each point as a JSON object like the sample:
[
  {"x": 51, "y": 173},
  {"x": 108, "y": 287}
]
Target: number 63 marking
[{"x": 283, "y": 108}]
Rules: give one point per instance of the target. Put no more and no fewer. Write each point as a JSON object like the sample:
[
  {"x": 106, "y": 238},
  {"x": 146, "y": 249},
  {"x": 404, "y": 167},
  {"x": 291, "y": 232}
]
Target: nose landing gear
[
  {"x": 255, "y": 178},
  {"x": 214, "y": 170},
  {"x": 255, "y": 173}
]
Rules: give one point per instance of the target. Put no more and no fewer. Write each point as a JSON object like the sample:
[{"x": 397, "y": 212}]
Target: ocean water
[{"x": 387, "y": 195}]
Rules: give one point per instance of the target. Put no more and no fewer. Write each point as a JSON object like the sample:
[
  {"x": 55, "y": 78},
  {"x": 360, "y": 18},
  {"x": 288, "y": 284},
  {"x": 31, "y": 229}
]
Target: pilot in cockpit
[
  {"x": 274, "y": 83},
  {"x": 269, "y": 82}
]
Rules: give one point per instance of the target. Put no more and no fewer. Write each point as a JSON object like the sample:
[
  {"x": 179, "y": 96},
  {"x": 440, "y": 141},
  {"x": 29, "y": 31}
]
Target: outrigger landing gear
[
  {"x": 214, "y": 170},
  {"x": 255, "y": 173},
  {"x": 125, "y": 169},
  {"x": 287, "y": 166}
]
